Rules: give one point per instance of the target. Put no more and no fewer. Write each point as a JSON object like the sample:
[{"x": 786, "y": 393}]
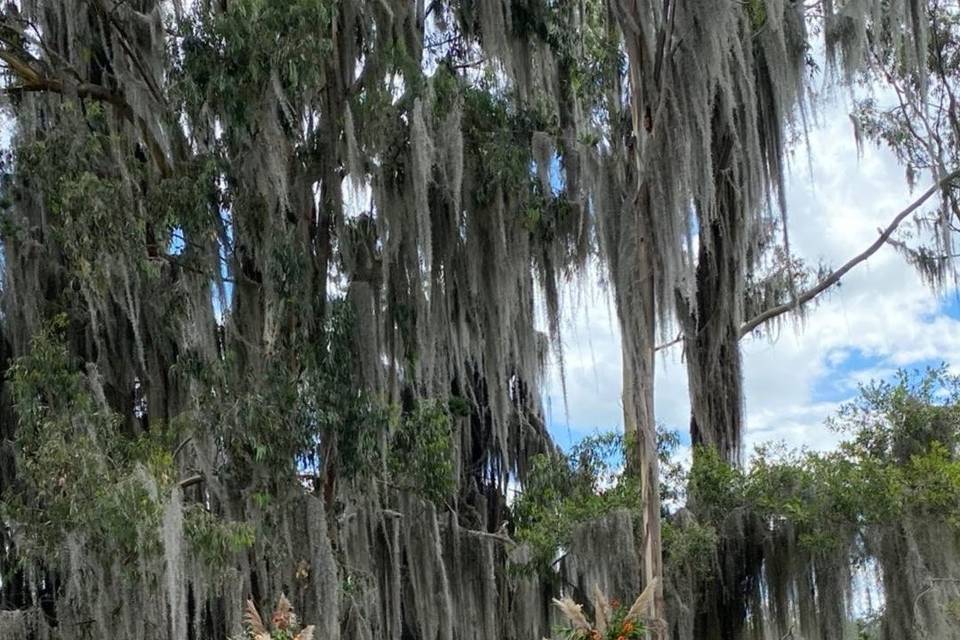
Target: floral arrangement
[
  {"x": 613, "y": 621},
  {"x": 283, "y": 623}
]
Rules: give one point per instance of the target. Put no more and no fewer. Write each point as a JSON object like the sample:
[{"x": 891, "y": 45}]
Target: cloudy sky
[{"x": 880, "y": 319}]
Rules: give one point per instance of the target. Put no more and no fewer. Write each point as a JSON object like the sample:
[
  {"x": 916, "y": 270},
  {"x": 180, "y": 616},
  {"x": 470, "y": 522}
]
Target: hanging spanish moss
[{"x": 271, "y": 282}]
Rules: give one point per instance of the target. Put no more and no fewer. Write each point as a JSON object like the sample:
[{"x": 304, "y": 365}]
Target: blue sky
[{"x": 882, "y": 317}]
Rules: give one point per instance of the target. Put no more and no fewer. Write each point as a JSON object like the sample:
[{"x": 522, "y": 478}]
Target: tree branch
[
  {"x": 33, "y": 81},
  {"x": 180, "y": 447},
  {"x": 83, "y": 90},
  {"x": 20, "y": 68},
  {"x": 931, "y": 587},
  {"x": 192, "y": 480},
  {"x": 834, "y": 276},
  {"x": 133, "y": 55},
  {"x": 483, "y": 534},
  {"x": 667, "y": 345}
]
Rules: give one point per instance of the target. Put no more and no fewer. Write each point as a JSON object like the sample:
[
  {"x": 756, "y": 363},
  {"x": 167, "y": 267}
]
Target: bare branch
[
  {"x": 82, "y": 90},
  {"x": 32, "y": 81},
  {"x": 483, "y": 534},
  {"x": 181, "y": 446},
  {"x": 667, "y": 345},
  {"x": 834, "y": 276}
]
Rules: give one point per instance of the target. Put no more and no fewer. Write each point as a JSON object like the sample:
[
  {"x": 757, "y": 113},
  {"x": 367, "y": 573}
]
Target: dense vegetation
[
  {"x": 271, "y": 273},
  {"x": 830, "y": 530}
]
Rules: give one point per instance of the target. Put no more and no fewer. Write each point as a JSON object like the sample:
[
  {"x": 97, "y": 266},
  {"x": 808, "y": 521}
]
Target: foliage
[
  {"x": 900, "y": 460},
  {"x": 757, "y": 11},
  {"x": 673, "y": 475},
  {"x": 421, "y": 452},
  {"x": 79, "y": 474},
  {"x": 79, "y": 184},
  {"x": 920, "y": 126},
  {"x": 689, "y": 545},
  {"x": 331, "y": 403},
  {"x": 415, "y": 447},
  {"x": 491, "y": 127},
  {"x": 333, "y": 421},
  {"x": 75, "y": 168},
  {"x": 213, "y": 540},
  {"x": 231, "y": 58},
  {"x": 562, "y": 491}
]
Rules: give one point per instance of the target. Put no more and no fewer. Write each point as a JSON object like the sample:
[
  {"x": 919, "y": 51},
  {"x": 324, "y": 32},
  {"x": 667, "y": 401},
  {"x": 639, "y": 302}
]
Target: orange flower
[{"x": 628, "y": 627}]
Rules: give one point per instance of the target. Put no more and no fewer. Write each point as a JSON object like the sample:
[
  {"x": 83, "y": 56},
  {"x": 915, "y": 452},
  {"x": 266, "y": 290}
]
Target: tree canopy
[{"x": 271, "y": 273}]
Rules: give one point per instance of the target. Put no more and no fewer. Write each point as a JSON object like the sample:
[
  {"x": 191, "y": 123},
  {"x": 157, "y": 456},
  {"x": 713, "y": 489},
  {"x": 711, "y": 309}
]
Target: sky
[{"x": 881, "y": 318}]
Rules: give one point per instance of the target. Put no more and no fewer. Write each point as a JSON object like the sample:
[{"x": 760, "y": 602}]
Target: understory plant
[
  {"x": 612, "y": 620},
  {"x": 283, "y": 623}
]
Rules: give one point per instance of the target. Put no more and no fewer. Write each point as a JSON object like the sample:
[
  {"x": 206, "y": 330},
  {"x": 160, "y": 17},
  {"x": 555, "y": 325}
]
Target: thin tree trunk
[
  {"x": 637, "y": 315},
  {"x": 636, "y": 290}
]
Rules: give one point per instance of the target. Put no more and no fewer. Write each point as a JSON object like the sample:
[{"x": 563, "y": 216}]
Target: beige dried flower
[
  {"x": 283, "y": 614},
  {"x": 602, "y": 607},
  {"x": 254, "y": 622},
  {"x": 283, "y": 619},
  {"x": 306, "y": 634},
  {"x": 573, "y": 612},
  {"x": 643, "y": 601}
]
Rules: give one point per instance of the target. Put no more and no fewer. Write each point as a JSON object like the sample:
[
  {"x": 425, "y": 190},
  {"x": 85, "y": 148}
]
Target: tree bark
[
  {"x": 637, "y": 315},
  {"x": 636, "y": 275},
  {"x": 714, "y": 363}
]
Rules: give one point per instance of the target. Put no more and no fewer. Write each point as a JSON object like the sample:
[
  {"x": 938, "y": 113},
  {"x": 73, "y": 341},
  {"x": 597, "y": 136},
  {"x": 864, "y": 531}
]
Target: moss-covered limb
[{"x": 62, "y": 72}]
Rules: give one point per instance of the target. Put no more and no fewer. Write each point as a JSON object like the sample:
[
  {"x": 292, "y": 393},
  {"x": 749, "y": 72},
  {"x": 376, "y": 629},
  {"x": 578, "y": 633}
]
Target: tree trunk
[
  {"x": 712, "y": 329},
  {"x": 634, "y": 267},
  {"x": 715, "y": 375},
  {"x": 637, "y": 316}
]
